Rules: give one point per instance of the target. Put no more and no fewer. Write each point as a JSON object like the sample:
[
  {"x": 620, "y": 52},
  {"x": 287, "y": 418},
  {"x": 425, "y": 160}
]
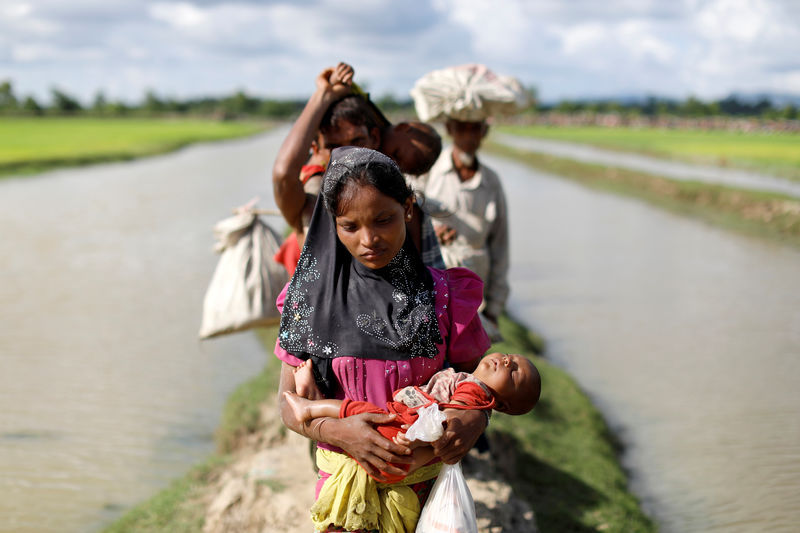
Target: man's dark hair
[{"x": 353, "y": 109}]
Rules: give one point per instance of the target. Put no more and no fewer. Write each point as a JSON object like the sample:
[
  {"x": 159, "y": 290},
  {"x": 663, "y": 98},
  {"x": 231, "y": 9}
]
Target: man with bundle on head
[
  {"x": 339, "y": 115},
  {"x": 464, "y": 195}
]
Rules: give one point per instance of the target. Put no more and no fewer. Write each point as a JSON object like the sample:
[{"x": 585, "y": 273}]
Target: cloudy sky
[{"x": 565, "y": 48}]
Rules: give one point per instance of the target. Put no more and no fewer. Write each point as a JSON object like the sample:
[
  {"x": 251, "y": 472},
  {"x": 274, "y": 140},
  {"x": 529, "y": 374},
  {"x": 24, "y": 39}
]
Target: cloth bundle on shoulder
[{"x": 247, "y": 279}]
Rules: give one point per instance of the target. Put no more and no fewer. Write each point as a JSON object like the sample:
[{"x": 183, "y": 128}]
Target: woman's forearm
[
  {"x": 356, "y": 434},
  {"x": 421, "y": 456},
  {"x": 464, "y": 426}
]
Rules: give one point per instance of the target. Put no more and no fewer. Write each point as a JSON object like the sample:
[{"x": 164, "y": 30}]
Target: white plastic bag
[
  {"x": 449, "y": 508},
  {"x": 247, "y": 279},
  {"x": 428, "y": 426}
]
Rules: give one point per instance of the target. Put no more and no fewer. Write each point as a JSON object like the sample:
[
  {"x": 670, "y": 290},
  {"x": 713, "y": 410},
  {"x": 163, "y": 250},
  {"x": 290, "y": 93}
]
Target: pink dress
[{"x": 458, "y": 294}]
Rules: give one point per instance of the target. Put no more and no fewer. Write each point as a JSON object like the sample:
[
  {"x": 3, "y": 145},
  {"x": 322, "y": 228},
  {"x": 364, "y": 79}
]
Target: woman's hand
[
  {"x": 357, "y": 436},
  {"x": 462, "y": 429}
]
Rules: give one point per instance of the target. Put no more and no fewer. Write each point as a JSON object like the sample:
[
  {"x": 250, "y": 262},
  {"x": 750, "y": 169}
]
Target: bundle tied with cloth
[
  {"x": 247, "y": 279},
  {"x": 469, "y": 93}
]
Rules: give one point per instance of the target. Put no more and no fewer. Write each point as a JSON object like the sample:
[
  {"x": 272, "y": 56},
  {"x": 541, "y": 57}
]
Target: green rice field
[
  {"x": 769, "y": 152},
  {"x": 30, "y": 145}
]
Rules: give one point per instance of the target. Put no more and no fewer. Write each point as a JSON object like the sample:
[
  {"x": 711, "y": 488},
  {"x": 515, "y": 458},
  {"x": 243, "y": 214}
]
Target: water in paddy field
[
  {"x": 106, "y": 393},
  {"x": 685, "y": 335},
  {"x": 651, "y": 165}
]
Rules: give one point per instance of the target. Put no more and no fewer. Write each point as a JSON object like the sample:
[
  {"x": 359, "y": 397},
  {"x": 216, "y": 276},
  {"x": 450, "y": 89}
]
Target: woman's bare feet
[{"x": 304, "y": 382}]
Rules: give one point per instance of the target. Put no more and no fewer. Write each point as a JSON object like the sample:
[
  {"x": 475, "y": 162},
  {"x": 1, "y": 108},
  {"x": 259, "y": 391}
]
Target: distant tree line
[
  {"x": 241, "y": 105},
  {"x": 692, "y": 107},
  {"x": 238, "y": 105}
]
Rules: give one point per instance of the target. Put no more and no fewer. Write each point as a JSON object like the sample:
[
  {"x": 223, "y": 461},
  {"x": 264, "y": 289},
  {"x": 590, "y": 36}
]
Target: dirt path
[{"x": 269, "y": 488}]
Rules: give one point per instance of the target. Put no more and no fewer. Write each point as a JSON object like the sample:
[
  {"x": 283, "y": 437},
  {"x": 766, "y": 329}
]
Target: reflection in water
[
  {"x": 686, "y": 336},
  {"x": 106, "y": 394}
]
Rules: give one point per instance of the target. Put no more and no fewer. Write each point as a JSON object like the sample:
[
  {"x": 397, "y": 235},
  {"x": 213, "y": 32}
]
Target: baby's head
[
  {"x": 414, "y": 146},
  {"x": 513, "y": 380}
]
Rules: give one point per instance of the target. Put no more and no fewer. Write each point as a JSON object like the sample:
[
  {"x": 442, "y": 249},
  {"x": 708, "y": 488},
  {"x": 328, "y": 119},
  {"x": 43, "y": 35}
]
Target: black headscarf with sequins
[{"x": 335, "y": 306}]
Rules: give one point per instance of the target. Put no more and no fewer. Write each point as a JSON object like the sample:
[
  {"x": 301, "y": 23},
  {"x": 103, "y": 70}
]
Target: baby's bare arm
[{"x": 356, "y": 435}]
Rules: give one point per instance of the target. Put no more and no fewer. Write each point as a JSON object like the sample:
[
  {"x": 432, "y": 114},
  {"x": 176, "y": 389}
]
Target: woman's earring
[{"x": 408, "y": 216}]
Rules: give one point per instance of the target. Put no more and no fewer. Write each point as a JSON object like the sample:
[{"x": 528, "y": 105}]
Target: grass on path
[
  {"x": 774, "y": 153},
  {"x": 565, "y": 460},
  {"x": 176, "y": 509},
  {"x": 32, "y": 145},
  {"x": 763, "y": 214}
]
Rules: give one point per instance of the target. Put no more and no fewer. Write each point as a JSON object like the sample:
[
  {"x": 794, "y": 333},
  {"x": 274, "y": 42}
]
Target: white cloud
[
  {"x": 640, "y": 39},
  {"x": 16, "y": 9},
  {"x": 581, "y": 38},
  {"x": 567, "y": 49},
  {"x": 178, "y": 14},
  {"x": 741, "y": 21},
  {"x": 744, "y": 45},
  {"x": 35, "y": 52},
  {"x": 625, "y": 40},
  {"x": 21, "y": 19},
  {"x": 496, "y": 28}
]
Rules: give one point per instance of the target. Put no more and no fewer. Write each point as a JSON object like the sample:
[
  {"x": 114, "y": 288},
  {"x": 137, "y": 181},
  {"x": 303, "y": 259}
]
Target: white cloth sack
[
  {"x": 450, "y": 508},
  {"x": 247, "y": 279},
  {"x": 470, "y": 93}
]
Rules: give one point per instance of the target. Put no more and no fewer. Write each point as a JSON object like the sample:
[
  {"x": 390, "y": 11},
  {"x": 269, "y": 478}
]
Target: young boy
[{"x": 509, "y": 383}]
